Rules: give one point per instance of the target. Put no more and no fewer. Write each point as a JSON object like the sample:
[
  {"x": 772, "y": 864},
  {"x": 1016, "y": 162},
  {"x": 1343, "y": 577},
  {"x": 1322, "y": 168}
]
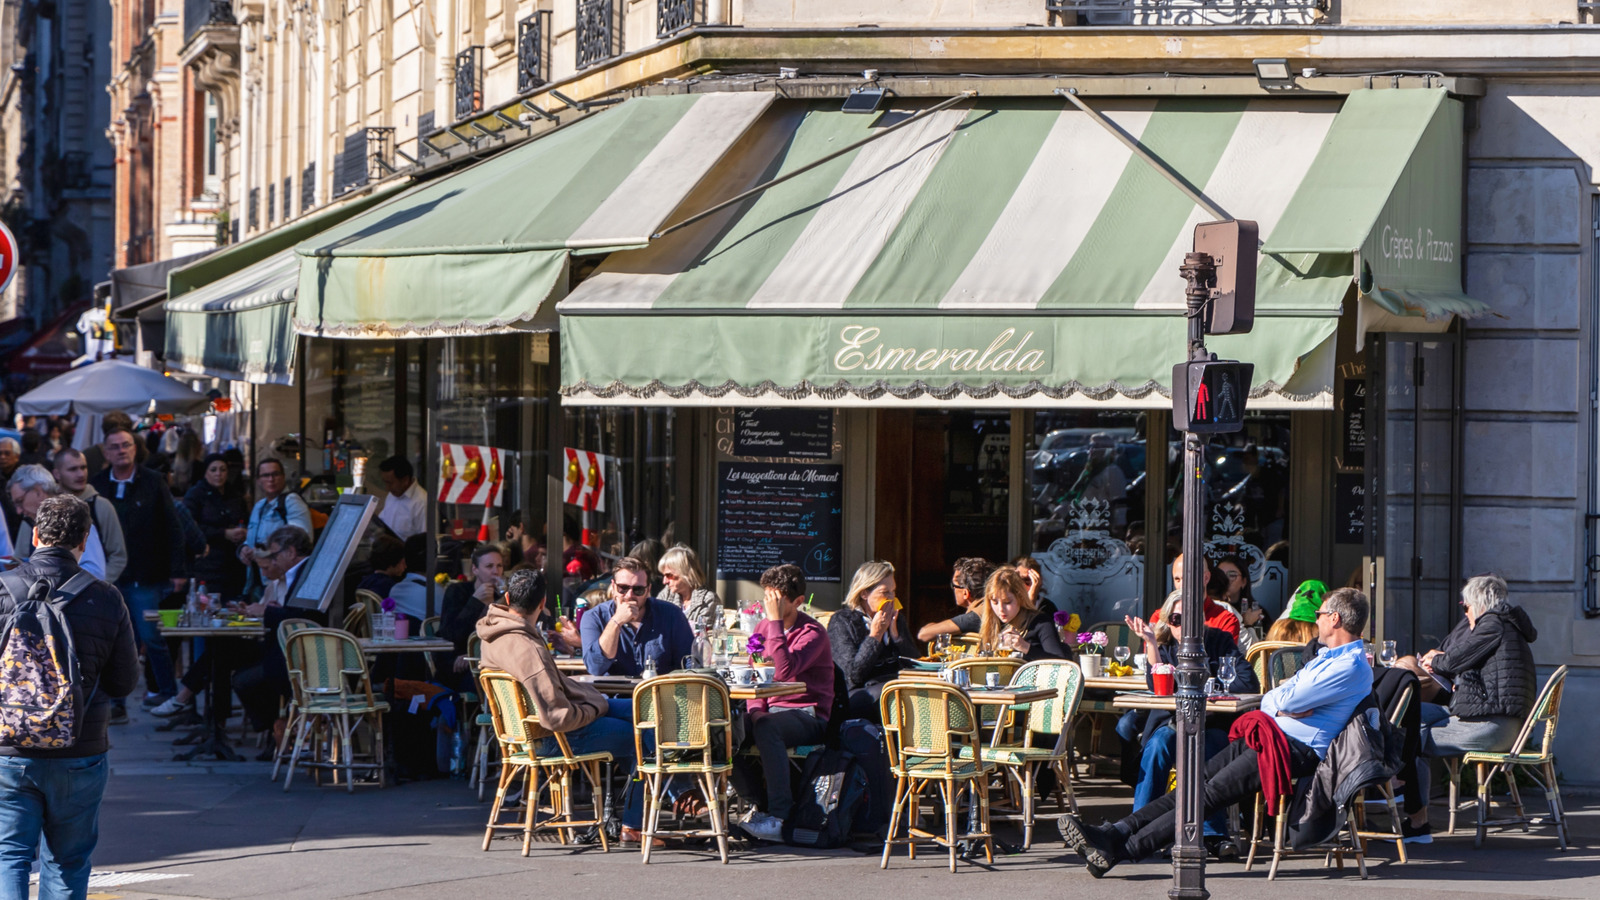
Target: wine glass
[
  {"x": 941, "y": 646},
  {"x": 1388, "y": 654},
  {"x": 1227, "y": 671},
  {"x": 1122, "y": 653}
]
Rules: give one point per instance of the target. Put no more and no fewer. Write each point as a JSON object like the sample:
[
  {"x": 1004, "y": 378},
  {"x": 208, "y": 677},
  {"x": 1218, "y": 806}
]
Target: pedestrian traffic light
[
  {"x": 1208, "y": 397},
  {"x": 1232, "y": 246}
]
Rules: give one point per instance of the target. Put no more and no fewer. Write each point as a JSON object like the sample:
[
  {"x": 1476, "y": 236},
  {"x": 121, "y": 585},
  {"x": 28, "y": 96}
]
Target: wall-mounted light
[
  {"x": 863, "y": 100},
  {"x": 1273, "y": 74}
]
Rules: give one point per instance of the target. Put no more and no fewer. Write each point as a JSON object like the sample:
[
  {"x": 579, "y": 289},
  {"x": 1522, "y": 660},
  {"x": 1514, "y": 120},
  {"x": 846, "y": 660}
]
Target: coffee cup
[
  {"x": 170, "y": 617},
  {"x": 766, "y": 674},
  {"x": 744, "y": 675},
  {"x": 1141, "y": 663}
]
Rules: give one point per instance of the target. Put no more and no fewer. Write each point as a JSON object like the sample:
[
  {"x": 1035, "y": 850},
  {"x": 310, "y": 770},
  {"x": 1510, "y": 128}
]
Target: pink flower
[{"x": 1101, "y": 639}]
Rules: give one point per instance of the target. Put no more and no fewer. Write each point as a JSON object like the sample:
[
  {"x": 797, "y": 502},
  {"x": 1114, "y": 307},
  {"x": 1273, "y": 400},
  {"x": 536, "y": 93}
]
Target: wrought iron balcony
[
  {"x": 533, "y": 52},
  {"x": 1186, "y": 12},
  {"x": 673, "y": 16},
  {"x": 198, "y": 14},
  {"x": 469, "y": 82},
  {"x": 380, "y": 153},
  {"x": 599, "y": 38}
]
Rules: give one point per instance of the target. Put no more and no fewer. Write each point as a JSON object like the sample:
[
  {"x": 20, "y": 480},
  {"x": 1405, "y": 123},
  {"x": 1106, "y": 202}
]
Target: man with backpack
[
  {"x": 66, "y": 649},
  {"x": 276, "y": 508}
]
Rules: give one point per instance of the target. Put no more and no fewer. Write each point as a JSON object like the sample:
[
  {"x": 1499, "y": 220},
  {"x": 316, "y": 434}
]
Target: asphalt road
[{"x": 224, "y": 831}]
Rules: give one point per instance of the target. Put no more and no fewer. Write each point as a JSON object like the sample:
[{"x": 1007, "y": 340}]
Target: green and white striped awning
[
  {"x": 480, "y": 251},
  {"x": 238, "y": 327},
  {"x": 1008, "y": 253}
]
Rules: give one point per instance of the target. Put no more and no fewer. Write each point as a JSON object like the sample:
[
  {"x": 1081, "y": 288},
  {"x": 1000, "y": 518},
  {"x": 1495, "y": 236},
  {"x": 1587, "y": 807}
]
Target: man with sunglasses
[{"x": 622, "y": 634}]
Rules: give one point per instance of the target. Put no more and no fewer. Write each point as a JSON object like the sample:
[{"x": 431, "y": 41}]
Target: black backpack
[
  {"x": 825, "y": 813},
  {"x": 865, "y": 740}
]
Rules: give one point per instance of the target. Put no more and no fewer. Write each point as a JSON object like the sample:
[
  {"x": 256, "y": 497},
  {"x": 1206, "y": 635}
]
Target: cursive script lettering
[{"x": 1008, "y": 351}]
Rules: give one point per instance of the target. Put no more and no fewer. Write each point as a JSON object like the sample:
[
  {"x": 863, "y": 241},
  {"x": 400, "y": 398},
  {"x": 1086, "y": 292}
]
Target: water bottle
[
  {"x": 578, "y": 609},
  {"x": 702, "y": 649}
]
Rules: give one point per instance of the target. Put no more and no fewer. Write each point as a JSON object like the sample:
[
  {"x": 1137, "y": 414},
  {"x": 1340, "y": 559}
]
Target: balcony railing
[
  {"x": 533, "y": 52},
  {"x": 197, "y": 14},
  {"x": 599, "y": 38},
  {"x": 673, "y": 16},
  {"x": 469, "y": 82},
  {"x": 380, "y": 153},
  {"x": 1186, "y": 12}
]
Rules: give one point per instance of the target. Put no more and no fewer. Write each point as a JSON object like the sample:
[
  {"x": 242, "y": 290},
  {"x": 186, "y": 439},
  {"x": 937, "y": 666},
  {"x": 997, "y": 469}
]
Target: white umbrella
[{"x": 101, "y": 387}]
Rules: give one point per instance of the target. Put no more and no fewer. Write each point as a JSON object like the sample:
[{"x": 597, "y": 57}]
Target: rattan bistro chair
[
  {"x": 291, "y": 712},
  {"x": 1397, "y": 711},
  {"x": 1282, "y": 664},
  {"x": 1539, "y": 764},
  {"x": 357, "y": 620},
  {"x": 1020, "y": 759},
  {"x": 1257, "y": 655},
  {"x": 515, "y": 721},
  {"x": 928, "y": 726},
  {"x": 688, "y": 717},
  {"x": 329, "y": 673}
]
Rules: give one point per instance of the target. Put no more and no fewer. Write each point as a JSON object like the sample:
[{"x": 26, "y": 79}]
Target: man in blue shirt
[
  {"x": 632, "y": 627},
  {"x": 1310, "y": 709}
]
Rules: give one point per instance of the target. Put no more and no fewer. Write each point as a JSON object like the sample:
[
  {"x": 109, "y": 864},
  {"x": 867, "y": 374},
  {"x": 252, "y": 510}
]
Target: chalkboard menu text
[
  {"x": 793, "y": 433},
  {"x": 774, "y": 513},
  {"x": 1353, "y": 424},
  {"x": 1349, "y": 508}
]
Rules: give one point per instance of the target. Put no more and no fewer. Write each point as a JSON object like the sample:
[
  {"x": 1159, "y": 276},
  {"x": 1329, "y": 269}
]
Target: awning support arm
[
  {"x": 922, "y": 114},
  {"x": 1139, "y": 150}
]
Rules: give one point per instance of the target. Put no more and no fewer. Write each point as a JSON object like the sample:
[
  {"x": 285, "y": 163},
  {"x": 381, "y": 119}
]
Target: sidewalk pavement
[{"x": 220, "y": 830}]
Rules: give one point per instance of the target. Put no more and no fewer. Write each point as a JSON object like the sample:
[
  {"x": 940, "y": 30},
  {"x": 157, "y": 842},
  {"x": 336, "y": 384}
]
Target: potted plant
[
  {"x": 1090, "y": 648},
  {"x": 757, "y": 647}
]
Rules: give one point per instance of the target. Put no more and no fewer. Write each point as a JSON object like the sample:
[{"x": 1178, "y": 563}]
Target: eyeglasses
[
  {"x": 1176, "y": 620},
  {"x": 957, "y": 587},
  {"x": 638, "y": 590}
]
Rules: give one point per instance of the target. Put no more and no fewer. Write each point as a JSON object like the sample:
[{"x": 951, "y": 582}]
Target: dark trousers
[
  {"x": 773, "y": 734},
  {"x": 1232, "y": 776},
  {"x": 213, "y": 672},
  {"x": 1387, "y": 684}
]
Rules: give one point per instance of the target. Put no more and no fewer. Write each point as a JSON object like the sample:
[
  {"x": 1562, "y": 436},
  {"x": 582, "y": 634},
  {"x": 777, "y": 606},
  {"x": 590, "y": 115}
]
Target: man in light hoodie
[{"x": 513, "y": 642}]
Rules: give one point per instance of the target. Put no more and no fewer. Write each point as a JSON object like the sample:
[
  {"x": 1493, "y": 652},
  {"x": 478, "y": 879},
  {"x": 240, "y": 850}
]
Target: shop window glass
[
  {"x": 491, "y": 392},
  {"x": 1086, "y": 477},
  {"x": 977, "y": 483},
  {"x": 1247, "y": 508},
  {"x": 640, "y": 490},
  {"x": 350, "y": 396}
]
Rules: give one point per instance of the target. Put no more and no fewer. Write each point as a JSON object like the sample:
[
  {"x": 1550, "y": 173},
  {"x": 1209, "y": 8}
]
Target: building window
[
  {"x": 533, "y": 52},
  {"x": 469, "y": 81},
  {"x": 272, "y": 203},
  {"x": 288, "y": 205},
  {"x": 211, "y": 183},
  {"x": 308, "y": 187},
  {"x": 598, "y": 37},
  {"x": 253, "y": 219}
]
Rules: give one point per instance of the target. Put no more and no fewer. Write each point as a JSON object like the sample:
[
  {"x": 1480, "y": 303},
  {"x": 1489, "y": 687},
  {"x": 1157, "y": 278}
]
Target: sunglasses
[
  {"x": 1175, "y": 620},
  {"x": 638, "y": 590}
]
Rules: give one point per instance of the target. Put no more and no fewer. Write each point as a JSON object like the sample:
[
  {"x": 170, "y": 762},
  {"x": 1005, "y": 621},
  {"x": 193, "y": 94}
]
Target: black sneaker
[
  {"x": 1222, "y": 848},
  {"x": 1095, "y": 844},
  {"x": 1416, "y": 834}
]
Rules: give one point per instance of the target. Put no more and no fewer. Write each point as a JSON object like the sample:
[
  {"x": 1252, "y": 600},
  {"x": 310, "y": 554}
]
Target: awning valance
[
  {"x": 230, "y": 315},
  {"x": 239, "y": 327},
  {"x": 483, "y": 250},
  {"x": 1011, "y": 253}
]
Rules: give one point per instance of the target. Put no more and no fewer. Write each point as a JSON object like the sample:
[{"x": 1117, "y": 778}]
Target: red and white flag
[
  {"x": 586, "y": 479},
  {"x": 472, "y": 473}
]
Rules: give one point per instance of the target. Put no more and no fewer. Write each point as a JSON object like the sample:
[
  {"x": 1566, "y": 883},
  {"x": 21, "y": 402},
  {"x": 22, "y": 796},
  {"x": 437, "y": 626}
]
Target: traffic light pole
[{"x": 1189, "y": 853}]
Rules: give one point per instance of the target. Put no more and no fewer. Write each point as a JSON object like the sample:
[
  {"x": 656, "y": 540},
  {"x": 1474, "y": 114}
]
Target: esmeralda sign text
[{"x": 859, "y": 349}]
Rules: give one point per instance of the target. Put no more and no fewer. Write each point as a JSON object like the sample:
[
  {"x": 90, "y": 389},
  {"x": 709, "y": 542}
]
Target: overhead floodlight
[
  {"x": 863, "y": 100},
  {"x": 1273, "y": 74}
]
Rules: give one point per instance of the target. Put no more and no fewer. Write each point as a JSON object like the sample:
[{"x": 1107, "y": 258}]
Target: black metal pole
[{"x": 1189, "y": 854}]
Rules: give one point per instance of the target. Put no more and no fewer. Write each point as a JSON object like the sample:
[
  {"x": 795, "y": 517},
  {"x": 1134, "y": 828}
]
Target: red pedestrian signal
[{"x": 1209, "y": 397}]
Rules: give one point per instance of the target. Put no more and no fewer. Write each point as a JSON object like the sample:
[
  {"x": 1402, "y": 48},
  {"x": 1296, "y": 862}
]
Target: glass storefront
[
  {"x": 350, "y": 390},
  {"x": 640, "y": 491}
]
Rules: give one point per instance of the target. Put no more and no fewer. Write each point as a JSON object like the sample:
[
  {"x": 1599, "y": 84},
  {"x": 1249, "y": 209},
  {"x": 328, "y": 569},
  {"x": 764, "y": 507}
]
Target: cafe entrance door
[{"x": 1414, "y": 493}]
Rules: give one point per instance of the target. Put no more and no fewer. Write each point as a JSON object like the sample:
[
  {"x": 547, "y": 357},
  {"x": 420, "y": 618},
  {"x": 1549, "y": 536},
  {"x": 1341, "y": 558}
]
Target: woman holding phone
[{"x": 869, "y": 637}]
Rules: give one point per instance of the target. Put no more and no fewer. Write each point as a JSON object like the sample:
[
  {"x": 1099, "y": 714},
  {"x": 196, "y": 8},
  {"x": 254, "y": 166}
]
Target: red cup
[{"x": 1163, "y": 683}]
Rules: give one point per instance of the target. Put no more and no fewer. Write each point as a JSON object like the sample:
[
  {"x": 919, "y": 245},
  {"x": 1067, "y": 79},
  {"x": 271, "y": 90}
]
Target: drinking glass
[
  {"x": 1123, "y": 654},
  {"x": 1227, "y": 671},
  {"x": 941, "y": 646},
  {"x": 1388, "y": 655}
]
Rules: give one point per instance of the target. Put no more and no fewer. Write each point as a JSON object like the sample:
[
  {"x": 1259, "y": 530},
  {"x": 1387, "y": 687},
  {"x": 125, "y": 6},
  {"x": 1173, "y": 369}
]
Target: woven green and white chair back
[
  {"x": 323, "y": 657},
  {"x": 1257, "y": 655},
  {"x": 1282, "y": 664},
  {"x": 1051, "y": 716},
  {"x": 474, "y": 648},
  {"x": 1546, "y": 712},
  {"x": 680, "y": 708},
  {"x": 927, "y": 721},
  {"x": 288, "y": 627},
  {"x": 508, "y": 706}
]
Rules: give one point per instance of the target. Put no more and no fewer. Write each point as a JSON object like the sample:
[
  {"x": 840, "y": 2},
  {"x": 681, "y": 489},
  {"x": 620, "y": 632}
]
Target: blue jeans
[
  {"x": 58, "y": 799},
  {"x": 1159, "y": 755},
  {"x": 139, "y": 598},
  {"x": 611, "y": 733}
]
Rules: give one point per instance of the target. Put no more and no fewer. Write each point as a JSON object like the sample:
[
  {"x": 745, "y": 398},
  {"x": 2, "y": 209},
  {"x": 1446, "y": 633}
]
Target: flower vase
[{"x": 1093, "y": 665}]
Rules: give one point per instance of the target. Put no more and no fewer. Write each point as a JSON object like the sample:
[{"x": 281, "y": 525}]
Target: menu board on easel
[{"x": 774, "y": 513}]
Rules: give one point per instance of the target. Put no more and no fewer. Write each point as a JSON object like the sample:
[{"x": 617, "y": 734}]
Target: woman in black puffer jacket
[{"x": 1488, "y": 660}]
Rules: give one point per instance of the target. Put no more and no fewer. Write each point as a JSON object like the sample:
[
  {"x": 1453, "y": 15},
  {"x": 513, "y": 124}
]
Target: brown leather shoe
[{"x": 634, "y": 836}]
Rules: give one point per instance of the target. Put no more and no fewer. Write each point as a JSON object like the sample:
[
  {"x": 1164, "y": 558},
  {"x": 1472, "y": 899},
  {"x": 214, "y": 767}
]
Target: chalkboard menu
[
  {"x": 324, "y": 571},
  {"x": 1349, "y": 508},
  {"x": 794, "y": 433},
  {"x": 1353, "y": 424},
  {"x": 774, "y": 513}
]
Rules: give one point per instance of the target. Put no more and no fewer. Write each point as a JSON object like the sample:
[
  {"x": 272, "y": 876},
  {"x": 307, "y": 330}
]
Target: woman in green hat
[{"x": 1300, "y": 623}]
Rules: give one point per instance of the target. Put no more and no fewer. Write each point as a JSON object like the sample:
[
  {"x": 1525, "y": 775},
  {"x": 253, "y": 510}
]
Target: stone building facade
[{"x": 55, "y": 164}]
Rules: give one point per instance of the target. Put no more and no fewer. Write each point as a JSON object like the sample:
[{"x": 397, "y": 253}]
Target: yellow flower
[{"x": 441, "y": 578}]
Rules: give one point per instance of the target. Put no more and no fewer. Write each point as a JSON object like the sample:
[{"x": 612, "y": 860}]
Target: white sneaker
[
  {"x": 763, "y": 827},
  {"x": 172, "y": 707}
]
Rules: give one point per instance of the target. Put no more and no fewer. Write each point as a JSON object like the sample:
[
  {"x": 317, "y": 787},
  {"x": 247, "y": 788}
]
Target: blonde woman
[
  {"x": 869, "y": 636},
  {"x": 1012, "y": 623},
  {"x": 684, "y": 584}
]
